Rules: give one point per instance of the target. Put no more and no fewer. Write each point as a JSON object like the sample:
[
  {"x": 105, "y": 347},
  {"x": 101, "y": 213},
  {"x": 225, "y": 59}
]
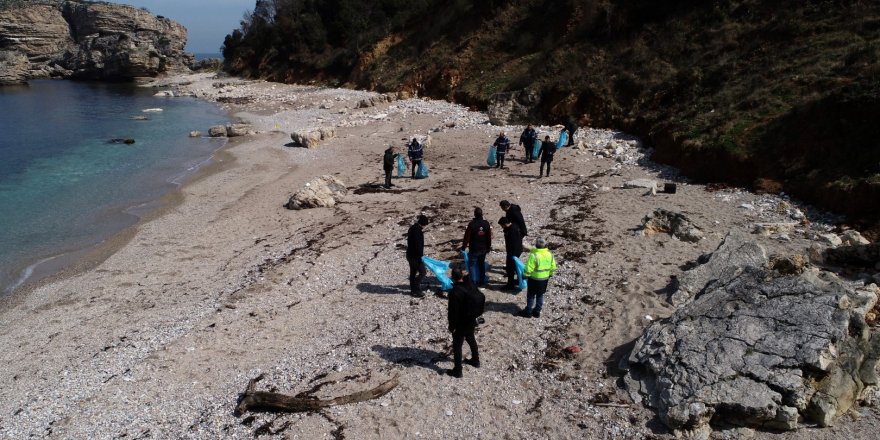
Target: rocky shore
[{"x": 159, "y": 339}]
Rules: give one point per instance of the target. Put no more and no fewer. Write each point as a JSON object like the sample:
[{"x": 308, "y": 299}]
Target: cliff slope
[
  {"x": 779, "y": 96},
  {"x": 86, "y": 40}
]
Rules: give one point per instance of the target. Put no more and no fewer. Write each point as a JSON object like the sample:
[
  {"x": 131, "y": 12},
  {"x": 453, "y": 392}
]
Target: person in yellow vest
[{"x": 539, "y": 268}]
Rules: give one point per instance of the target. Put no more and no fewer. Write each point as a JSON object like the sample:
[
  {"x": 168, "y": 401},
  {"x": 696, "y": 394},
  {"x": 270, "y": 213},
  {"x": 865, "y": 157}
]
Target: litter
[
  {"x": 563, "y": 139},
  {"x": 520, "y": 267},
  {"x": 439, "y": 268},
  {"x": 422, "y": 172},
  {"x": 536, "y": 149},
  {"x": 401, "y": 166},
  {"x": 490, "y": 160}
]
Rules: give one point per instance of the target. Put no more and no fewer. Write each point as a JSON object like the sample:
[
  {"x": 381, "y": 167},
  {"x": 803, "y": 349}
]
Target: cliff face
[
  {"x": 766, "y": 94},
  {"x": 71, "y": 39}
]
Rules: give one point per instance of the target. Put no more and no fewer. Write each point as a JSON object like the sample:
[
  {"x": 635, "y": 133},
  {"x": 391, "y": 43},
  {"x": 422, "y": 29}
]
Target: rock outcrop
[
  {"x": 104, "y": 41},
  {"x": 312, "y": 138},
  {"x": 319, "y": 193},
  {"x": 673, "y": 223},
  {"x": 758, "y": 349},
  {"x": 513, "y": 107},
  {"x": 734, "y": 254}
]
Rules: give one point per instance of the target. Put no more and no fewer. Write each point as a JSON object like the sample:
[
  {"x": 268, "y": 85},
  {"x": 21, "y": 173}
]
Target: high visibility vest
[{"x": 541, "y": 265}]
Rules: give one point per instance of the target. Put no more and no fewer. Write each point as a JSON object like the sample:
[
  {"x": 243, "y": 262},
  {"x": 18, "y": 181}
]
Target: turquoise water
[{"x": 64, "y": 187}]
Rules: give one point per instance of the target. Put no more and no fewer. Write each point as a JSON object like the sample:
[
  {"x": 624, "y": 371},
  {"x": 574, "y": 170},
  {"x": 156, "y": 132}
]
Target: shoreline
[{"x": 224, "y": 284}]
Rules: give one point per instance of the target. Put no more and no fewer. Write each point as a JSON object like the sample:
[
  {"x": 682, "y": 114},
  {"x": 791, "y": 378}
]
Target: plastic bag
[
  {"x": 563, "y": 139},
  {"x": 439, "y": 268},
  {"x": 401, "y": 166},
  {"x": 422, "y": 171},
  {"x": 464, "y": 254},
  {"x": 520, "y": 268},
  {"x": 490, "y": 160},
  {"x": 536, "y": 150}
]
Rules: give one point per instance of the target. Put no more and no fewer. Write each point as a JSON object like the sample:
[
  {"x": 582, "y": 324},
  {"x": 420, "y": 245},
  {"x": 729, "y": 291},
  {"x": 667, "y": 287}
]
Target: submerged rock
[
  {"x": 217, "y": 131},
  {"x": 758, "y": 349},
  {"x": 322, "y": 192}
]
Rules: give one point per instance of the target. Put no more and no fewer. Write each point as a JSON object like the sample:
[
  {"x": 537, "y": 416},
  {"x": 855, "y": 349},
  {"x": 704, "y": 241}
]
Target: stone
[
  {"x": 760, "y": 350},
  {"x": 195, "y": 134},
  {"x": 640, "y": 183},
  {"x": 365, "y": 103},
  {"x": 517, "y": 107},
  {"x": 217, "y": 131},
  {"x": 312, "y": 138},
  {"x": 14, "y": 68},
  {"x": 234, "y": 130},
  {"x": 324, "y": 191},
  {"x": 852, "y": 237},
  {"x": 830, "y": 239},
  {"x": 788, "y": 264},
  {"x": 862, "y": 255},
  {"x": 673, "y": 223},
  {"x": 767, "y": 229},
  {"x": 165, "y": 93},
  {"x": 403, "y": 94},
  {"x": 733, "y": 254}
]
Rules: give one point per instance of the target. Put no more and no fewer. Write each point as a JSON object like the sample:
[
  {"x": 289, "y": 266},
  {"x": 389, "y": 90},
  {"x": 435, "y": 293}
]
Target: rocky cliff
[{"x": 72, "y": 39}]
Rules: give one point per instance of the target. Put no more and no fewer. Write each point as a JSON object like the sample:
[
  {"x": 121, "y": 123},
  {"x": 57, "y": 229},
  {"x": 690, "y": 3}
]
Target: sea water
[{"x": 64, "y": 187}]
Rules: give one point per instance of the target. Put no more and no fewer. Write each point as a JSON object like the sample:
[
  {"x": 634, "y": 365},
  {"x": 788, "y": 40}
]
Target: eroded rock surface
[
  {"x": 673, "y": 223},
  {"x": 513, "y": 107},
  {"x": 319, "y": 193},
  {"x": 734, "y": 254},
  {"x": 758, "y": 349},
  {"x": 312, "y": 138}
]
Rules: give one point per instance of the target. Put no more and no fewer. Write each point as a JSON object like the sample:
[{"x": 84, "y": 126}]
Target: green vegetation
[{"x": 728, "y": 90}]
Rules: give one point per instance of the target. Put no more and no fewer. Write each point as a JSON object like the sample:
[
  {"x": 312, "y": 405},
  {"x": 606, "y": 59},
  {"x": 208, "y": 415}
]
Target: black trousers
[
  {"x": 548, "y": 162},
  {"x": 458, "y": 338},
  {"x": 416, "y": 275},
  {"x": 510, "y": 268},
  {"x": 530, "y": 146},
  {"x": 499, "y": 157},
  {"x": 387, "y": 178},
  {"x": 415, "y": 166}
]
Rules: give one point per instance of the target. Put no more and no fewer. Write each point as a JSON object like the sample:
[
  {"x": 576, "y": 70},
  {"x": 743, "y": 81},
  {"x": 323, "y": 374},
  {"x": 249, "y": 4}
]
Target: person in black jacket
[
  {"x": 514, "y": 213},
  {"x": 416, "y": 153},
  {"x": 514, "y": 247},
  {"x": 388, "y": 164},
  {"x": 502, "y": 144},
  {"x": 466, "y": 304},
  {"x": 548, "y": 149},
  {"x": 415, "y": 249},
  {"x": 478, "y": 241},
  {"x": 571, "y": 127},
  {"x": 527, "y": 139}
]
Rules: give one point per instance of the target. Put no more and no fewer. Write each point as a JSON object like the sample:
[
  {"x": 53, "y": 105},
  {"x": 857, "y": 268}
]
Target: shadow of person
[
  {"x": 500, "y": 307},
  {"x": 411, "y": 357},
  {"x": 402, "y": 289}
]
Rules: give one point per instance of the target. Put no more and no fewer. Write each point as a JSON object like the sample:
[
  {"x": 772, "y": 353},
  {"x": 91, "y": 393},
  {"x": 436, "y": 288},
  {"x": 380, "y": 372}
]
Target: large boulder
[
  {"x": 217, "y": 131},
  {"x": 513, "y": 107},
  {"x": 322, "y": 192},
  {"x": 234, "y": 130},
  {"x": 733, "y": 255},
  {"x": 759, "y": 349},
  {"x": 312, "y": 138}
]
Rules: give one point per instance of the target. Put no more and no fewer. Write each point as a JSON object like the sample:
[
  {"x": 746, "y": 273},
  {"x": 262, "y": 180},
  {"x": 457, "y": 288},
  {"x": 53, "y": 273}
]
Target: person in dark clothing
[
  {"x": 527, "y": 139},
  {"x": 502, "y": 144},
  {"x": 388, "y": 164},
  {"x": 571, "y": 127},
  {"x": 415, "y": 249},
  {"x": 415, "y": 152},
  {"x": 478, "y": 241},
  {"x": 514, "y": 213},
  {"x": 514, "y": 247},
  {"x": 466, "y": 304},
  {"x": 548, "y": 149}
]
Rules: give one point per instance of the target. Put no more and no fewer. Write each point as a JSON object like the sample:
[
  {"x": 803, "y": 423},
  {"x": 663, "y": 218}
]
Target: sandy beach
[{"x": 158, "y": 334}]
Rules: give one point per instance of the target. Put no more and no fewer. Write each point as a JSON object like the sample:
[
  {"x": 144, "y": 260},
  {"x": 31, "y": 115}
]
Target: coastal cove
[{"x": 65, "y": 186}]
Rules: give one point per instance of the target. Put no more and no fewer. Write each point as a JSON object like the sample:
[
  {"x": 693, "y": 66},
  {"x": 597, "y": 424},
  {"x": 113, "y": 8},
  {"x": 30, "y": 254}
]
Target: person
[
  {"x": 466, "y": 304},
  {"x": 502, "y": 143},
  {"x": 513, "y": 246},
  {"x": 571, "y": 127},
  {"x": 415, "y": 155},
  {"x": 388, "y": 164},
  {"x": 548, "y": 149},
  {"x": 514, "y": 213},
  {"x": 527, "y": 139},
  {"x": 415, "y": 249},
  {"x": 539, "y": 268},
  {"x": 478, "y": 241}
]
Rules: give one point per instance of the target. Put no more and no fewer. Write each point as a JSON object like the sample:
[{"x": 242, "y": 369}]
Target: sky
[{"x": 208, "y": 21}]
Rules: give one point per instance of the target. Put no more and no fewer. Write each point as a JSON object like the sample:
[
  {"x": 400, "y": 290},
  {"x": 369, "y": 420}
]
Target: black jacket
[
  {"x": 513, "y": 240},
  {"x": 415, "y": 242},
  {"x": 548, "y": 149},
  {"x": 478, "y": 237},
  {"x": 502, "y": 143},
  {"x": 528, "y": 137},
  {"x": 388, "y": 160},
  {"x": 514, "y": 213},
  {"x": 466, "y": 304}
]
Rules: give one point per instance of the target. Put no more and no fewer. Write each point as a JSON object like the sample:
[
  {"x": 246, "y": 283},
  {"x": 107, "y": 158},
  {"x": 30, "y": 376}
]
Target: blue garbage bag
[
  {"x": 491, "y": 159},
  {"x": 422, "y": 171},
  {"x": 563, "y": 139},
  {"x": 439, "y": 268},
  {"x": 401, "y": 166},
  {"x": 464, "y": 254},
  {"x": 537, "y": 148},
  {"x": 520, "y": 268}
]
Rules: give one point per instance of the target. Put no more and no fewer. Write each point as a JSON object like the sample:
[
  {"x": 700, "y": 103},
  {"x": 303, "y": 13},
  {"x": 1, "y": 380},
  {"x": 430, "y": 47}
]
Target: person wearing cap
[
  {"x": 514, "y": 213},
  {"x": 388, "y": 164},
  {"x": 466, "y": 304},
  {"x": 415, "y": 152},
  {"x": 527, "y": 139},
  {"x": 415, "y": 249},
  {"x": 539, "y": 268},
  {"x": 513, "y": 246},
  {"x": 502, "y": 144},
  {"x": 478, "y": 241},
  {"x": 548, "y": 149}
]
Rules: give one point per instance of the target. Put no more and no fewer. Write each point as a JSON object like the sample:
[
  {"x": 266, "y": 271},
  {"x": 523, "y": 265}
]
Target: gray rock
[
  {"x": 324, "y": 191},
  {"x": 234, "y": 130},
  {"x": 673, "y": 223},
  {"x": 513, "y": 107},
  {"x": 852, "y": 237},
  {"x": 734, "y": 254},
  {"x": 759, "y": 350},
  {"x": 217, "y": 131},
  {"x": 830, "y": 239},
  {"x": 14, "y": 68},
  {"x": 640, "y": 183},
  {"x": 195, "y": 134},
  {"x": 312, "y": 138}
]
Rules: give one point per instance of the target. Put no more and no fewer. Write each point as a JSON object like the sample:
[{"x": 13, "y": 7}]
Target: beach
[{"x": 157, "y": 333}]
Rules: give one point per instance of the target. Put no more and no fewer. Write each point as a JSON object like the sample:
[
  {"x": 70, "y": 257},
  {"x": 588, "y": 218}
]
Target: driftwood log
[{"x": 252, "y": 400}]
